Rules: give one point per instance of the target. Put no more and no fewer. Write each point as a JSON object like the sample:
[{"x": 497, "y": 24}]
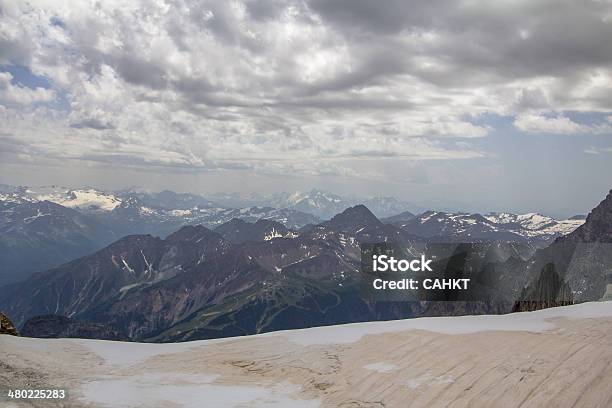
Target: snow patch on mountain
[
  {"x": 273, "y": 234},
  {"x": 502, "y": 226},
  {"x": 534, "y": 224},
  {"x": 88, "y": 199}
]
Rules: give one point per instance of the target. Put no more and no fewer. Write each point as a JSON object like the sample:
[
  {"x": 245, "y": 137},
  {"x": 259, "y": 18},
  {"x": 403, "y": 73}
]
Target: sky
[{"x": 464, "y": 104}]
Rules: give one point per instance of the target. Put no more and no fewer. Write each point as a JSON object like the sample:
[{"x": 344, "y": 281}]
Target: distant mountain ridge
[
  {"x": 168, "y": 204},
  {"x": 46, "y": 227},
  {"x": 163, "y": 207},
  {"x": 465, "y": 227},
  {"x": 325, "y": 205},
  {"x": 320, "y": 203}
]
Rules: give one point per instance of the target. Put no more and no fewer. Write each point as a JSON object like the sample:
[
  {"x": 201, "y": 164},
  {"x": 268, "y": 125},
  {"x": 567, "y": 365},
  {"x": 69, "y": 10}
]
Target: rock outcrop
[
  {"x": 575, "y": 268},
  {"x": 6, "y": 326}
]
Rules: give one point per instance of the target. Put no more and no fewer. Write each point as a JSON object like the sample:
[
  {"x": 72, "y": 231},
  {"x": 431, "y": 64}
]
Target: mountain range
[
  {"x": 464, "y": 227},
  {"x": 44, "y": 227},
  {"x": 47, "y": 227},
  {"x": 322, "y": 204},
  {"x": 249, "y": 277}
]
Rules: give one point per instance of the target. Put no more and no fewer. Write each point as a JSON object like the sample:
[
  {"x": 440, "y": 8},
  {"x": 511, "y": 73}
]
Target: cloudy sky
[{"x": 475, "y": 105}]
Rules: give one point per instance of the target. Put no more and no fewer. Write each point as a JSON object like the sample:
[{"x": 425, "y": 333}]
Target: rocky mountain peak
[
  {"x": 399, "y": 218},
  {"x": 354, "y": 218},
  {"x": 130, "y": 202},
  {"x": 190, "y": 233}
]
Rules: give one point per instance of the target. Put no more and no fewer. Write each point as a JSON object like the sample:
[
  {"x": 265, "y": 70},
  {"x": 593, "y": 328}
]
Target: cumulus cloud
[
  {"x": 540, "y": 123},
  {"x": 534, "y": 123},
  {"x": 248, "y": 84},
  {"x": 11, "y": 95}
]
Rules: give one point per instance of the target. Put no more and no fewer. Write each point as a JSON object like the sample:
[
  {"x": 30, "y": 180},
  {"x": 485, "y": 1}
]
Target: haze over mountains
[
  {"x": 316, "y": 202},
  {"x": 235, "y": 276}
]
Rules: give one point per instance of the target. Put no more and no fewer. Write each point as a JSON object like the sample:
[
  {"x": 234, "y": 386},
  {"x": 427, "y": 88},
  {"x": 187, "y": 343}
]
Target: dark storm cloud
[
  {"x": 357, "y": 16},
  {"x": 501, "y": 39},
  {"x": 139, "y": 71},
  {"x": 264, "y": 10}
]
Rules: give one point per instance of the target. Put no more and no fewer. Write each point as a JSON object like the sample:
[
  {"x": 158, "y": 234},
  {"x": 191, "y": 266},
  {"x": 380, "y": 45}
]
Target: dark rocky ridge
[
  {"x": 354, "y": 218},
  {"x": 55, "y": 326},
  {"x": 574, "y": 268},
  {"x": 597, "y": 227},
  {"x": 238, "y": 231},
  {"x": 133, "y": 262}
]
